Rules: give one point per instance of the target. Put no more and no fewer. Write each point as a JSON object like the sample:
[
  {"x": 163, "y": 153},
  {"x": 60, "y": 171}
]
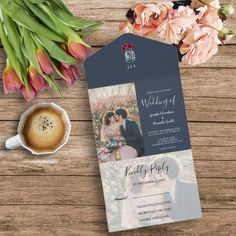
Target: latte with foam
[{"x": 44, "y": 129}]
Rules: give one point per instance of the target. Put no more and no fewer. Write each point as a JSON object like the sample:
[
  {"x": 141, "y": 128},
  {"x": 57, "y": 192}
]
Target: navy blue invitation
[{"x": 141, "y": 134}]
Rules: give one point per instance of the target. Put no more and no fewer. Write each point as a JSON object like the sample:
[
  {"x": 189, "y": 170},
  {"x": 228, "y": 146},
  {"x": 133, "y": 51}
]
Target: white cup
[{"x": 18, "y": 140}]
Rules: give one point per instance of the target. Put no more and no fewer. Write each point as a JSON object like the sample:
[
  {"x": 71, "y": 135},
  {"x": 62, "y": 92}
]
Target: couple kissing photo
[{"x": 116, "y": 120}]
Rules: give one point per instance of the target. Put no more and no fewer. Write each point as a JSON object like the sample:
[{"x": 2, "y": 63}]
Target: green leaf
[
  {"x": 72, "y": 21},
  {"x": 58, "y": 3},
  {"x": 10, "y": 53},
  {"x": 41, "y": 15},
  {"x": 29, "y": 49},
  {"x": 53, "y": 62},
  {"x": 86, "y": 32},
  {"x": 61, "y": 5},
  {"x": 57, "y": 70},
  {"x": 20, "y": 3},
  {"x": 14, "y": 38},
  {"x": 19, "y": 15},
  {"x": 55, "y": 51},
  {"x": 53, "y": 84},
  {"x": 70, "y": 33}
]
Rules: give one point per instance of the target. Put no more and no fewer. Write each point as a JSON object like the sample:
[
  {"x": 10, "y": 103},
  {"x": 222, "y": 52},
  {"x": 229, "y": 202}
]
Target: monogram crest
[{"x": 129, "y": 51}]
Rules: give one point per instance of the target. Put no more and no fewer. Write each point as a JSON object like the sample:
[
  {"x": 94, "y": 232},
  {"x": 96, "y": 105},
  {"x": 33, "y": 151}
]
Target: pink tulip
[
  {"x": 29, "y": 94},
  {"x": 71, "y": 74},
  {"x": 44, "y": 62},
  {"x": 78, "y": 50},
  {"x": 64, "y": 48},
  {"x": 11, "y": 81},
  {"x": 36, "y": 80}
]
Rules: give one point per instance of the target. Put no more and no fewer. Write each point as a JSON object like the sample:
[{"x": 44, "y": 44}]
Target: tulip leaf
[
  {"x": 10, "y": 53},
  {"x": 62, "y": 5},
  {"x": 69, "y": 32},
  {"x": 20, "y": 3},
  {"x": 58, "y": 71},
  {"x": 29, "y": 49},
  {"x": 55, "y": 51},
  {"x": 38, "y": 1},
  {"x": 41, "y": 15},
  {"x": 58, "y": 3},
  {"x": 14, "y": 38},
  {"x": 72, "y": 21},
  {"x": 53, "y": 84},
  {"x": 19, "y": 15},
  {"x": 86, "y": 32},
  {"x": 53, "y": 62}
]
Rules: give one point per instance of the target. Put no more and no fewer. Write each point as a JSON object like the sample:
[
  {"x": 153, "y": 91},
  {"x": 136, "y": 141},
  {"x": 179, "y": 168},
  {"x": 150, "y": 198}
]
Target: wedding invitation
[{"x": 141, "y": 134}]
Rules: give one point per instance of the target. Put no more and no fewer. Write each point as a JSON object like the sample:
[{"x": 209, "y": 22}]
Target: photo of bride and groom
[
  {"x": 121, "y": 136},
  {"x": 116, "y": 122}
]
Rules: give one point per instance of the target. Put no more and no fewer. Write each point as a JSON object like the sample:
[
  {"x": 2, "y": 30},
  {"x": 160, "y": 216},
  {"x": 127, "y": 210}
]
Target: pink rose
[
  {"x": 208, "y": 16},
  {"x": 199, "y": 45},
  {"x": 152, "y": 13},
  {"x": 143, "y": 30},
  {"x": 174, "y": 28},
  {"x": 196, "y": 3}
]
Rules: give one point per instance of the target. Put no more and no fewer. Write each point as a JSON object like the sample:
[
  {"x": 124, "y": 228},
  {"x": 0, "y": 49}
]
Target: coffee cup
[{"x": 43, "y": 129}]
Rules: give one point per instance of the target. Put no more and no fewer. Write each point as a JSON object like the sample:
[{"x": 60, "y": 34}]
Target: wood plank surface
[
  {"x": 82, "y": 220},
  {"x": 62, "y": 194},
  {"x": 76, "y": 190}
]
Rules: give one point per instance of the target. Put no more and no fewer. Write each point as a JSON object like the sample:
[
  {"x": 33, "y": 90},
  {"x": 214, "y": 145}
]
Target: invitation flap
[{"x": 130, "y": 58}]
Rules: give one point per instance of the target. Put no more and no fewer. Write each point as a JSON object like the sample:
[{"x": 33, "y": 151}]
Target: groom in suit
[{"x": 130, "y": 131}]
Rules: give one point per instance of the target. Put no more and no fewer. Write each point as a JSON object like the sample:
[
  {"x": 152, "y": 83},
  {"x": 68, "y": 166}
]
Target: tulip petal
[
  {"x": 78, "y": 50},
  {"x": 36, "y": 80},
  {"x": 44, "y": 62},
  {"x": 75, "y": 72},
  {"x": 29, "y": 94},
  {"x": 68, "y": 74},
  {"x": 11, "y": 81}
]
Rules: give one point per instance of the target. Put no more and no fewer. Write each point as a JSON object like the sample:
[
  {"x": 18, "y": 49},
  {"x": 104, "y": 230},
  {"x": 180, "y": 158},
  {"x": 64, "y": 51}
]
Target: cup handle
[{"x": 13, "y": 142}]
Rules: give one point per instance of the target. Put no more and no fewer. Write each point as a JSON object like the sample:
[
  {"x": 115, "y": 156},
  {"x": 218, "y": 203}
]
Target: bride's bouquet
[{"x": 113, "y": 144}]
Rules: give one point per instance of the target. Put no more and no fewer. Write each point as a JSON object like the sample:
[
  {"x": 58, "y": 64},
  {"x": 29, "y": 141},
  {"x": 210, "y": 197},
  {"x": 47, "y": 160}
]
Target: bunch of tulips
[{"x": 41, "y": 39}]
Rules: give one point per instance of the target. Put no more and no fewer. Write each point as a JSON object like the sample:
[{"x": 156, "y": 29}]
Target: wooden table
[{"x": 62, "y": 194}]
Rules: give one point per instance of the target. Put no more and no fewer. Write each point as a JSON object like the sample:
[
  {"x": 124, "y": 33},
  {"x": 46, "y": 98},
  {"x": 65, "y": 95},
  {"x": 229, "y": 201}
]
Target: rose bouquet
[
  {"x": 41, "y": 38},
  {"x": 194, "y": 27}
]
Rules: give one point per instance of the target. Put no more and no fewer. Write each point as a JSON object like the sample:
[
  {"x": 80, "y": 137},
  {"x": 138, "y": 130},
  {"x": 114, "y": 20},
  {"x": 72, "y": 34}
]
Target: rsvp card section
[{"x": 141, "y": 134}]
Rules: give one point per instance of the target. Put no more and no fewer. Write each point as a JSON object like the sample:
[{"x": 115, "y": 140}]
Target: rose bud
[
  {"x": 36, "y": 80},
  {"x": 227, "y": 10},
  {"x": 44, "y": 62},
  {"x": 78, "y": 50},
  {"x": 11, "y": 81}
]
